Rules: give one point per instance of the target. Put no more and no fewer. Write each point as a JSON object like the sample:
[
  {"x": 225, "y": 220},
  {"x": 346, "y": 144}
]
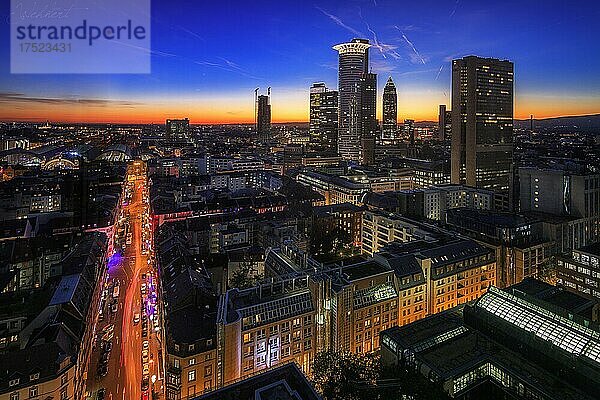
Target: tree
[
  {"x": 339, "y": 376},
  {"x": 547, "y": 270},
  {"x": 244, "y": 277}
]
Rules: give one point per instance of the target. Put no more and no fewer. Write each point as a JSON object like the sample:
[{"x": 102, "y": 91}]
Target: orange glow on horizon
[{"x": 285, "y": 108}]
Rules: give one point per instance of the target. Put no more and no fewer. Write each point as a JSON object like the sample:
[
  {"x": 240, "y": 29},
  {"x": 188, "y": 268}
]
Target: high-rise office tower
[
  {"x": 482, "y": 125},
  {"x": 368, "y": 115},
  {"x": 444, "y": 123},
  {"x": 263, "y": 117},
  {"x": 409, "y": 130},
  {"x": 353, "y": 65},
  {"x": 323, "y": 124},
  {"x": 177, "y": 128},
  {"x": 390, "y": 110},
  {"x": 368, "y": 103}
]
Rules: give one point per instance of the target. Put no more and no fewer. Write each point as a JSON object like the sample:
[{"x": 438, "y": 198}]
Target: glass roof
[{"x": 556, "y": 329}]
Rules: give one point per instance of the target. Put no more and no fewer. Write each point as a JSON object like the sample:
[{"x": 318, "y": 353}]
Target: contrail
[
  {"x": 439, "y": 72},
  {"x": 382, "y": 47},
  {"x": 339, "y": 22},
  {"x": 455, "y": 8},
  {"x": 412, "y": 46}
]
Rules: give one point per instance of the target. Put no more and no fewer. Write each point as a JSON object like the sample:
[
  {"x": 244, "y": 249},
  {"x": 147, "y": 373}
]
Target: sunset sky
[{"x": 208, "y": 56}]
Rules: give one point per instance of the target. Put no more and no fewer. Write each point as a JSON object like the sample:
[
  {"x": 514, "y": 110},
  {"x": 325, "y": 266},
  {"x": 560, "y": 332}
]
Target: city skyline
[{"x": 208, "y": 71}]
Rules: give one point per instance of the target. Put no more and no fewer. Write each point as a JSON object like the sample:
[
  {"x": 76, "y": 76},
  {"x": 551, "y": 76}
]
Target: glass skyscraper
[
  {"x": 390, "y": 110},
  {"x": 482, "y": 125},
  {"x": 324, "y": 115},
  {"x": 353, "y": 66}
]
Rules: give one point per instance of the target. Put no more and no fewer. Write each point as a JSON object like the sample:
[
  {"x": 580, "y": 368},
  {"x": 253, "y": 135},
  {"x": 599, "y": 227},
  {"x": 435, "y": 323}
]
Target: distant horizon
[
  {"x": 250, "y": 123},
  {"x": 208, "y": 58}
]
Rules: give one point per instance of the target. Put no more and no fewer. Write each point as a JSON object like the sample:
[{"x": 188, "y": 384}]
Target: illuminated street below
[{"x": 129, "y": 306}]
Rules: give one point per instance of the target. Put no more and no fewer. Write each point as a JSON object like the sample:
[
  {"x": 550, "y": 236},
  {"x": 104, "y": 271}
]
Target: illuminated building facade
[
  {"x": 482, "y": 126},
  {"x": 263, "y": 117},
  {"x": 529, "y": 341},
  {"x": 580, "y": 271},
  {"x": 444, "y": 123},
  {"x": 264, "y": 326},
  {"x": 177, "y": 128},
  {"x": 353, "y": 65},
  {"x": 323, "y": 125},
  {"x": 390, "y": 111}
]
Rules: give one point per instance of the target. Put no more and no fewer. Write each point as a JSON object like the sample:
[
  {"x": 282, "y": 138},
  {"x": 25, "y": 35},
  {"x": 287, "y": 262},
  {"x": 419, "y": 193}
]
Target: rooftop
[{"x": 281, "y": 383}]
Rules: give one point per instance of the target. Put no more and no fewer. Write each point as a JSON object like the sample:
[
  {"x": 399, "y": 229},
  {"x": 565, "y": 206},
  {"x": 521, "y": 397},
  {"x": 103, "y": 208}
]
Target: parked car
[{"x": 103, "y": 370}]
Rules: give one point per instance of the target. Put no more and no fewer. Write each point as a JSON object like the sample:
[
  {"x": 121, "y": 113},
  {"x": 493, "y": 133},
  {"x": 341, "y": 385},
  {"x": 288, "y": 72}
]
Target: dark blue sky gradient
[{"x": 227, "y": 48}]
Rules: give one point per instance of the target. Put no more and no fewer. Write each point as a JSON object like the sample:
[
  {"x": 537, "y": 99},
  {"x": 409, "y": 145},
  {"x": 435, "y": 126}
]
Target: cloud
[
  {"x": 416, "y": 57},
  {"x": 11, "y": 97},
  {"x": 339, "y": 22},
  {"x": 227, "y": 65},
  {"x": 329, "y": 65},
  {"x": 416, "y": 72},
  {"x": 382, "y": 67},
  {"x": 439, "y": 72},
  {"x": 455, "y": 8},
  {"x": 384, "y": 48}
]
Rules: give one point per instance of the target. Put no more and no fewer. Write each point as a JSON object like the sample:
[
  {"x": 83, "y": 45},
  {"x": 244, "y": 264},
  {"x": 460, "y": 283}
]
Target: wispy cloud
[
  {"x": 439, "y": 72},
  {"x": 189, "y": 32},
  {"x": 384, "y": 48},
  {"x": 455, "y": 8},
  {"x": 416, "y": 72},
  {"x": 339, "y": 22},
  {"x": 12, "y": 97},
  {"x": 417, "y": 56},
  {"x": 382, "y": 66},
  {"x": 329, "y": 65},
  {"x": 226, "y": 65}
]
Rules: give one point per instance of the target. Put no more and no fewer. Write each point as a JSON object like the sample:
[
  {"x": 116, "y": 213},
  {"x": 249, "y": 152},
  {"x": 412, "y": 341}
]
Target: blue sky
[{"x": 210, "y": 55}]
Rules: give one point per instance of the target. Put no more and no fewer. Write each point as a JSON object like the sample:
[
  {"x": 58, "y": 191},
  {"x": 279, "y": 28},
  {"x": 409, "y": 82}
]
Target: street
[{"x": 126, "y": 362}]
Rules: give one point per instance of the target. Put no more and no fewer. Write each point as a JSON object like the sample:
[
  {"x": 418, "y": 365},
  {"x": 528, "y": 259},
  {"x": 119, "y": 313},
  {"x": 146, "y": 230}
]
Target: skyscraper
[
  {"x": 368, "y": 104},
  {"x": 368, "y": 117},
  {"x": 409, "y": 130},
  {"x": 324, "y": 115},
  {"x": 482, "y": 125},
  {"x": 263, "y": 117},
  {"x": 353, "y": 65},
  {"x": 390, "y": 110},
  {"x": 444, "y": 123}
]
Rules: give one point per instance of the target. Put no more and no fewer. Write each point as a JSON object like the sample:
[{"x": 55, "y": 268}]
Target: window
[
  {"x": 191, "y": 390},
  {"x": 33, "y": 391},
  {"x": 13, "y": 382},
  {"x": 34, "y": 377},
  {"x": 191, "y": 347},
  {"x": 247, "y": 337},
  {"x": 208, "y": 370},
  {"x": 64, "y": 378},
  {"x": 14, "y": 396},
  {"x": 176, "y": 363},
  {"x": 192, "y": 375},
  {"x": 192, "y": 361}
]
